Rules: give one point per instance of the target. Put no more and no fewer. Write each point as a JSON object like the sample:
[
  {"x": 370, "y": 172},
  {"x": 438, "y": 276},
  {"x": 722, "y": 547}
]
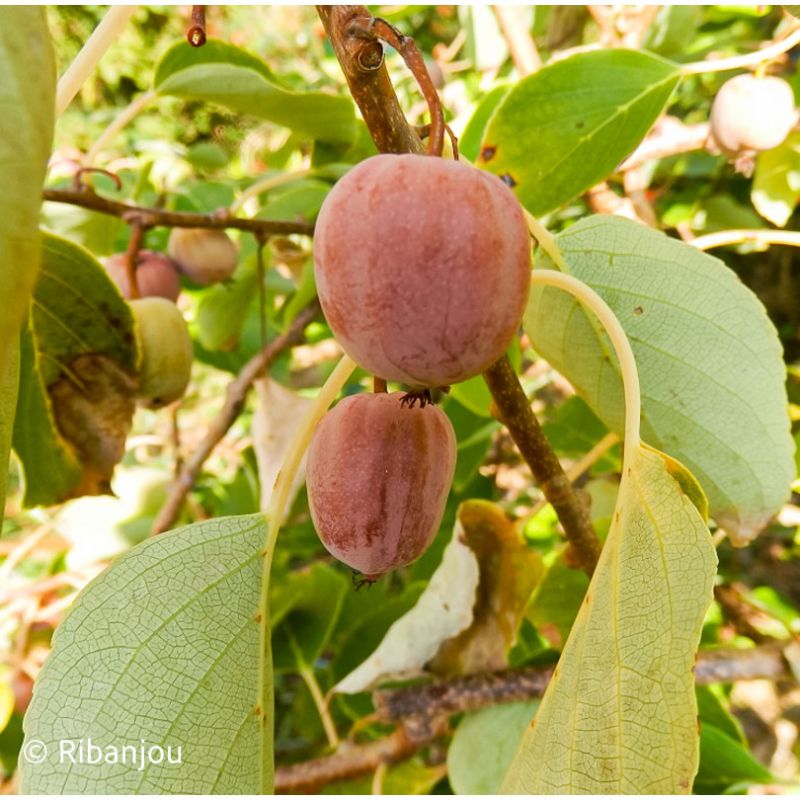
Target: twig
[
  {"x": 371, "y": 28},
  {"x": 747, "y": 60},
  {"x": 763, "y": 236},
  {"x": 310, "y": 680},
  {"x": 669, "y": 137},
  {"x": 420, "y": 711},
  {"x": 516, "y": 414},
  {"x": 156, "y": 217},
  {"x": 132, "y": 257},
  {"x": 102, "y": 38},
  {"x": 234, "y": 403},
  {"x": 518, "y": 38},
  {"x": 362, "y": 63},
  {"x": 197, "y": 30}
]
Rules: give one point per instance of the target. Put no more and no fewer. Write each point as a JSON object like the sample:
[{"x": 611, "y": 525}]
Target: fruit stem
[
  {"x": 630, "y": 376},
  {"x": 404, "y": 45},
  {"x": 196, "y": 35},
  {"x": 759, "y": 236},
  {"x": 132, "y": 258},
  {"x": 743, "y": 61},
  {"x": 103, "y": 36},
  {"x": 546, "y": 240},
  {"x": 379, "y": 385},
  {"x": 275, "y": 514}
]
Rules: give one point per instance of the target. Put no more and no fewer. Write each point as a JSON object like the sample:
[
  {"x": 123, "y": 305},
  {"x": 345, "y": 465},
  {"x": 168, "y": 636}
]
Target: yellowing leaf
[
  {"x": 620, "y": 714},
  {"x": 509, "y": 570}
]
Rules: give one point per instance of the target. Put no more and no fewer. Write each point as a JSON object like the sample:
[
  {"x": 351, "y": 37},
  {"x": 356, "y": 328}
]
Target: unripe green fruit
[
  {"x": 166, "y": 349},
  {"x": 205, "y": 256},
  {"x": 378, "y": 476},
  {"x": 422, "y": 267},
  {"x": 156, "y": 275},
  {"x": 751, "y": 113}
]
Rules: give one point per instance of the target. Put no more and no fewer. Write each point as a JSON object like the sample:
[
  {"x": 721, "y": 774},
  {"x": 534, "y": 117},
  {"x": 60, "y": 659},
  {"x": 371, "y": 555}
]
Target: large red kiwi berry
[
  {"x": 378, "y": 476},
  {"x": 422, "y": 267}
]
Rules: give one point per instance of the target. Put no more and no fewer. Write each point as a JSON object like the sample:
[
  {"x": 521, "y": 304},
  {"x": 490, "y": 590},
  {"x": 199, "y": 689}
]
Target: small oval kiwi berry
[
  {"x": 166, "y": 351},
  {"x": 379, "y": 471},
  {"x": 156, "y": 275},
  {"x": 752, "y": 114},
  {"x": 204, "y": 255},
  {"x": 422, "y": 267}
]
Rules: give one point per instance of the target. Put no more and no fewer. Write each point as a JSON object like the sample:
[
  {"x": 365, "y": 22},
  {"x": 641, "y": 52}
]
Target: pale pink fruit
[{"x": 156, "y": 275}]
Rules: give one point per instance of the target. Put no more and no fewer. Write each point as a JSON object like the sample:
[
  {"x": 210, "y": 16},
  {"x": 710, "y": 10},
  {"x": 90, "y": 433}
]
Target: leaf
[
  {"x": 484, "y": 745},
  {"x": 725, "y": 764},
  {"x": 566, "y": 127},
  {"x": 161, "y": 648},
  {"x": 276, "y": 420},
  {"x": 443, "y": 610},
  {"x": 776, "y": 182},
  {"x": 509, "y": 570},
  {"x": 222, "y": 73},
  {"x": 709, "y": 359},
  {"x": 306, "y": 605},
  {"x": 619, "y": 715},
  {"x": 711, "y": 711},
  {"x": 26, "y": 134},
  {"x": 556, "y": 601},
  {"x": 78, "y": 378},
  {"x": 469, "y": 143}
]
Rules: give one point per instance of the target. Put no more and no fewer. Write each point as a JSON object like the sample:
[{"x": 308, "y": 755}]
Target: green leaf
[
  {"x": 776, "y": 182},
  {"x": 469, "y": 143},
  {"x": 619, "y": 715},
  {"x": 161, "y": 648},
  {"x": 725, "y": 764},
  {"x": 484, "y": 744},
  {"x": 711, "y": 711},
  {"x": 229, "y": 76},
  {"x": 566, "y": 127},
  {"x": 78, "y": 377},
  {"x": 709, "y": 359},
  {"x": 306, "y": 607},
  {"x": 26, "y": 134}
]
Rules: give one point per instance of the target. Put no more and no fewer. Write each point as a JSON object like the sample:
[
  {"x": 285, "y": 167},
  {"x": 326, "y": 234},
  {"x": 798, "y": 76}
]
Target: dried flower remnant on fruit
[
  {"x": 378, "y": 477},
  {"x": 435, "y": 289}
]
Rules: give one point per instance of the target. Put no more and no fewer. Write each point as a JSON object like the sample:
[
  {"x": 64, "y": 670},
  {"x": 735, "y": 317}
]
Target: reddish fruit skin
[
  {"x": 156, "y": 275},
  {"x": 378, "y": 477},
  {"x": 204, "y": 256},
  {"x": 422, "y": 268}
]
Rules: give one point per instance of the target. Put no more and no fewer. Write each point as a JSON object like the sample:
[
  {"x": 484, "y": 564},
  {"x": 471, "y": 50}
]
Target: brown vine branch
[
  {"x": 132, "y": 257},
  {"x": 371, "y": 28},
  {"x": 235, "y": 397},
  {"x": 420, "y": 712},
  {"x": 375, "y": 96},
  {"x": 197, "y": 30},
  {"x": 156, "y": 217},
  {"x": 362, "y": 63},
  {"x": 515, "y": 412}
]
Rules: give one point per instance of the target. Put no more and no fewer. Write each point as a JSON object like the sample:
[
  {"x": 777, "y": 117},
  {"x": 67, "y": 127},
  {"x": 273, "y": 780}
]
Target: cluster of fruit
[
  {"x": 205, "y": 257},
  {"x": 423, "y": 270}
]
